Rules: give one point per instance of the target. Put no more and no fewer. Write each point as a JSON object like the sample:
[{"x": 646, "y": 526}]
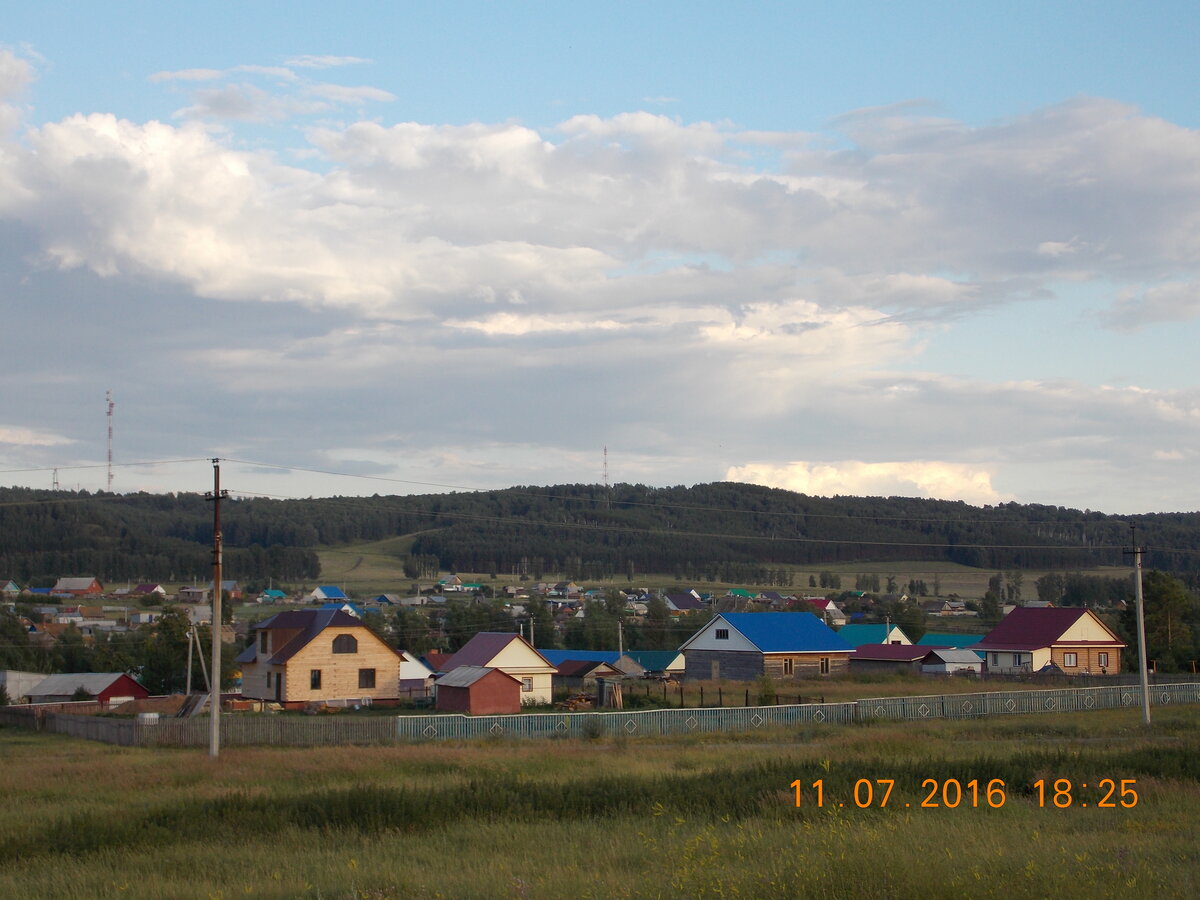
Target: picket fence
[{"x": 302, "y": 731}]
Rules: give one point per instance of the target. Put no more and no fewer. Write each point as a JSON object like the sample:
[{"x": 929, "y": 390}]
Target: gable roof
[
  {"x": 684, "y": 601},
  {"x": 954, "y": 657},
  {"x": 94, "y": 683},
  {"x": 949, "y": 639},
  {"x": 579, "y": 668},
  {"x": 486, "y": 646},
  {"x": 893, "y": 652},
  {"x": 780, "y": 632},
  {"x": 857, "y": 635},
  {"x": 1026, "y": 628},
  {"x": 654, "y": 660},
  {"x": 74, "y": 584},
  {"x": 310, "y": 622}
]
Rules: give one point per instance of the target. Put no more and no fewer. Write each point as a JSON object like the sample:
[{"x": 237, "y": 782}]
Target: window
[
  {"x": 263, "y": 640},
  {"x": 527, "y": 685},
  {"x": 789, "y": 666},
  {"x": 824, "y": 665},
  {"x": 268, "y": 679},
  {"x": 345, "y": 643},
  {"x": 1016, "y": 659},
  {"x": 1070, "y": 660},
  {"x": 722, "y": 634},
  {"x": 995, "y": 659},
  {"x": 366, "y": 678},
  {"x": 1102, "y": 659},
  {"x": 314, "y": 679}
]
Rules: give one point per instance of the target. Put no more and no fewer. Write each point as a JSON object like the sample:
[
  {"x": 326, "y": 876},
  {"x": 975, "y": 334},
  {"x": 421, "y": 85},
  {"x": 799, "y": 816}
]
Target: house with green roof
[{"x": 860, "y": 635}]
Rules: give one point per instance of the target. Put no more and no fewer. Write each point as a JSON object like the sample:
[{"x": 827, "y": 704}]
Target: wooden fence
[{"x": 305, "y": 731}]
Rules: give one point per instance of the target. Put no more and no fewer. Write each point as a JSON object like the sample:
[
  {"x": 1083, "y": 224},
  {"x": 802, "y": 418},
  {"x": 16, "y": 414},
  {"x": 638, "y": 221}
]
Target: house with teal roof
[{"x": 860, "y": 635}]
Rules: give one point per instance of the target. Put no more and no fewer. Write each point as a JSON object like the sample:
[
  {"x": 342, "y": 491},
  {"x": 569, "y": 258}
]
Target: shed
[
  {"x": 107, "y": 687},
  {"x": 478, "y": 691},
  {"x": 888, "y": 658},
  {"x": 951, "y": 662}
]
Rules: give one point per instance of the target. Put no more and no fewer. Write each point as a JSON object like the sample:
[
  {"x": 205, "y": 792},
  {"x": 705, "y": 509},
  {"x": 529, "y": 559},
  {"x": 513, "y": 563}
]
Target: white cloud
[
  {"x": 31, "y": 437},
  {"x": 16, "y": 74},
  {"x": 187, "y": 75},
  {"x": 350, "y": 95},
  {"x": 920, "y": 478},
  {"x": 324, "y": 62}
]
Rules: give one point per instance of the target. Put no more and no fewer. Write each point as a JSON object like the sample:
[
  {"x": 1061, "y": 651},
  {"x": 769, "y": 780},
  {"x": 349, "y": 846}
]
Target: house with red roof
[
  {"x": 511, "y": 654},
  {"x": 1073, "y": 639},
  {"x": 307, "y": 655}
]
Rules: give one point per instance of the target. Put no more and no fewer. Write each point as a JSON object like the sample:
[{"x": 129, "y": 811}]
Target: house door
[{"x": 278, "y": 686}]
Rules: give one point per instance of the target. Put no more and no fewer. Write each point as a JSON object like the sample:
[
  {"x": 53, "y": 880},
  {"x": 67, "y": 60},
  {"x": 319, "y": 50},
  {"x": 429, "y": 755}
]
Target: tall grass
[{"x": 700, "y": 817}]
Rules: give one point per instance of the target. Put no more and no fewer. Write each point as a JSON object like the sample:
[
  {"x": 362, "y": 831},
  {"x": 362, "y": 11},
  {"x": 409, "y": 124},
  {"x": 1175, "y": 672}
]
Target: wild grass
[{"x": 701, "y": 816}]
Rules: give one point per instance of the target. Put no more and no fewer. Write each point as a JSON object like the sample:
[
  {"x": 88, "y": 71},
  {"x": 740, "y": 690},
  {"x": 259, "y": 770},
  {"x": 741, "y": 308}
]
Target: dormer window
[
  {"x": 345, "y": 643},
  {"x": 263, "y": 640}
]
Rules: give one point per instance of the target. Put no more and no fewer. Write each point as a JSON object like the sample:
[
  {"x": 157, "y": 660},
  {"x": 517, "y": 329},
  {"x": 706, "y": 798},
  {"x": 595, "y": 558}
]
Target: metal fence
[{"x": 304, "y": 731}]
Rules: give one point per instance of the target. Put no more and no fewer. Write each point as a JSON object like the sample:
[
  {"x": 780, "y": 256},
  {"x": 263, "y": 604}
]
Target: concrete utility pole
[
  {"x": 214, "y": 712},
  {"x": 1141, "y": 623}
]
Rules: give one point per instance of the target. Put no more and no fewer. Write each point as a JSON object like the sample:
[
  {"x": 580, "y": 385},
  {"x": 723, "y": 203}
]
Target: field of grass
[{"x": 694, "y": 817}]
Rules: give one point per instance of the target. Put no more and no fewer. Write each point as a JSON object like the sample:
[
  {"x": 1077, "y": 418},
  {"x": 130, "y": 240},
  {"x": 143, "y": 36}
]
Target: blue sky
[{"x": 931, "y": 249}]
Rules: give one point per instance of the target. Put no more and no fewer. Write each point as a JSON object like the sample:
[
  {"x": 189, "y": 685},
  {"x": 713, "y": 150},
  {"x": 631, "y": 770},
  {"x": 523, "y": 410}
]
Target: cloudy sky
[{"x": 856, "y": 248}]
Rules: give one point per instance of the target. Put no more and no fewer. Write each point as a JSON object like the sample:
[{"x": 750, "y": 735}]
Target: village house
[
  {"x": 857, "y": 635},
  {"x": 1073, "y": 639},
  {"x": 308, "y": 655},
  {"x": 783, "y": 645},
  {"x": 77, "y": 587},
  {"x": 512, "y": 654}
]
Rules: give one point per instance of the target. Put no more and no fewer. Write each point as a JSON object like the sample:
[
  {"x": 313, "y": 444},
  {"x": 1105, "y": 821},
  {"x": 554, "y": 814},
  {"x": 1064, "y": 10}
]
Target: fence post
[
  {"x": 701, "y": 695},
  {"x": 747, "y": 696},
  {"x": 681, "y": 695},
  {"x": 721, "y": 697}
]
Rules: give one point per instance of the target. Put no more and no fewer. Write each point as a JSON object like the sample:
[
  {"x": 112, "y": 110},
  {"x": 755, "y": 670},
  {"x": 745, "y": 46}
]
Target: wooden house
[
  {"x": 1073, "y": 639},
  {"x": 77, "y": 587},
  {"x": 306, "y": 655},
  {"x": 783, "y": 645}
]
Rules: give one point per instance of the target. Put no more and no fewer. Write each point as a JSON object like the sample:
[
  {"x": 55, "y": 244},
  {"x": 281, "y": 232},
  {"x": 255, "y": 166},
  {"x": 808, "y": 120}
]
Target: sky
[{"x": 926, "y": 249}]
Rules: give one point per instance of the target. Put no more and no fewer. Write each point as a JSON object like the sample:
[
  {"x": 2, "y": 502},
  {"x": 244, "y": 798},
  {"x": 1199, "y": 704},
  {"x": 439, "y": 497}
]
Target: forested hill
[{"x": 578, "y": 531}]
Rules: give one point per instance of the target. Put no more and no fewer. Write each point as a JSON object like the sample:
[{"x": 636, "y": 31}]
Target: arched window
[{"x": 345, "y": 643}]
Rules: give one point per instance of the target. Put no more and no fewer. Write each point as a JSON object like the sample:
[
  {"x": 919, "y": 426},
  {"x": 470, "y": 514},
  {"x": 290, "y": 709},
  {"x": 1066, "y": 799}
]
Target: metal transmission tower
[{"x": 109, "y": 400}]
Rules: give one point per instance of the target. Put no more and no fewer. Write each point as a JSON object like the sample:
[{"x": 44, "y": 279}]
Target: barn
[{"x": 478, "y": 691}]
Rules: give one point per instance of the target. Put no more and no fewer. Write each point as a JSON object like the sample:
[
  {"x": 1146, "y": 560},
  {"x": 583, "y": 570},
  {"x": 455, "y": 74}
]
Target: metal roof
[
  {"x": 465, "y": 676},
  {"x": 64, "y": 685},
  {"x": 783, "y": 632}
]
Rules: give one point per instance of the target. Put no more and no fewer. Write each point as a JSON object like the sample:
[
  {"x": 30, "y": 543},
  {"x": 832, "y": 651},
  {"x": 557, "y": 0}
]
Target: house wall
[
  {"x": 493, "y": 694},
  {"x": 1088, "y": 659},
  {"x": 951, "y": 668},
  {"x": 706, "y": 665},
  {"x": 707, "y": 640},
  {"x": 1004, "y": 666},
  {"x": 519, "y": 661},
  {"x": 805, "y": 665},
  {"x": 884, "y": 665},
  {"x": 339, "y": 671}
]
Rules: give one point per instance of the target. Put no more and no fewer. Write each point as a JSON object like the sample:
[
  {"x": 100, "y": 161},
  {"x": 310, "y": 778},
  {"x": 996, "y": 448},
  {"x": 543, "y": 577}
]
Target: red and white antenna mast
[{"x": 109, "y": 400}]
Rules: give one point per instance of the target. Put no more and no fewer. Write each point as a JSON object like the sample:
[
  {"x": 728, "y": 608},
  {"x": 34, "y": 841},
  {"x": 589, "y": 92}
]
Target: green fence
[{"x": 302, "y": 731}]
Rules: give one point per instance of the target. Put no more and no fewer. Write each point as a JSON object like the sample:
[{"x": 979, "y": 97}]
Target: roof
[
  {"x": 484, "y": 647},
  {"x": 1026, "y": 628},
  {"x": 273, "y": 592},
  {"x": 783, "y": 632},
  {"x": 949, "y": 639},
  {"x": 954, "y": 657},
  {"x": 74, "y": 584},
  {"x": 653, "y": 660},
  {"x": 578, "y": 668},
  {"x": 331, "y": 592},
  {"x": 310, "y": 623},
  {"x": 465, "y": 676},
  {"x": 92, "y": 682},
  {"x": 436, "y": 662},
  {"x": 684, "y": 601},
  {"x": 555, "y": 657},
  {"x": 857, "y": 635},
  {"x": 894, "y": 652}
]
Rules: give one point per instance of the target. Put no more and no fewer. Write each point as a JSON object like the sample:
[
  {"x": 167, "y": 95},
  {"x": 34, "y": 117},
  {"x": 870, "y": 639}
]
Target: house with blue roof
[
  {"x": 781, "y": 645},
  {"x": 325, "y": 592}
]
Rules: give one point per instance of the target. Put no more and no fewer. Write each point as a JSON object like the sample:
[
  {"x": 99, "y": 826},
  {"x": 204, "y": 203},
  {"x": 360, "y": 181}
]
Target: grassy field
[
  {"x": 377, "y": 567},
  {"x": 711, "y": 817}
]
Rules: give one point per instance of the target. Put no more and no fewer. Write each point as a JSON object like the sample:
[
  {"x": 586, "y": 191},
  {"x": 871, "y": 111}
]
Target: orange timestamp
[{"x": 952, "y": 793}]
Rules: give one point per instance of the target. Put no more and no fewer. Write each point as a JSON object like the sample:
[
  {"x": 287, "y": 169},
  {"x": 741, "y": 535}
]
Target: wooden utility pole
[{"x": 214, "y": 711}]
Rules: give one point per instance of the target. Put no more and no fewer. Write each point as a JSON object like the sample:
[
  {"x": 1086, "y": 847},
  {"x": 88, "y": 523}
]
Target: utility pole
[
  {"x": 1143, "y": 673},
  {"x": 214, "y": 728},
  {"x": 109, "y": 401}
]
